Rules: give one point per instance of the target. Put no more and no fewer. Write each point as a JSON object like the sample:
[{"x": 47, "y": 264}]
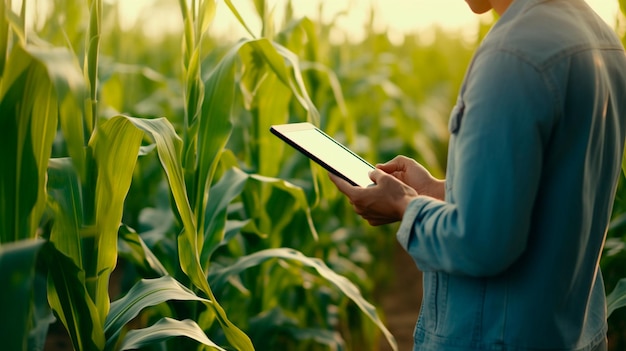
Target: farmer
[{"x": 509, "y": 242}]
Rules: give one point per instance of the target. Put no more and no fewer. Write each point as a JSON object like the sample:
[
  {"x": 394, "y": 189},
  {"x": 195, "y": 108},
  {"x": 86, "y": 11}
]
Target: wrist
[
  {"x": 437, "y": 189},
  {"x": 404, "y": 204}
]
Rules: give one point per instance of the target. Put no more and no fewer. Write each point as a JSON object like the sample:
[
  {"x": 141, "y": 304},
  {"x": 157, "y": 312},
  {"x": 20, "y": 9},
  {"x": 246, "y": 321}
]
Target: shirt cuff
[{"x": 408, "y": 219}]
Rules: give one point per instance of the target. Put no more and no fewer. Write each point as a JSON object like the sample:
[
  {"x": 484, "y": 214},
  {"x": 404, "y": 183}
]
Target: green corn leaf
[
  {"x": 266, "y": 96},
  {"x": 624, "y": 161},
  {"x": 42, "y": 316},
  {"x": 194, "y": 88},
  {"x": 276, "y": 317},
  {"x": 16, "y": 22},
  {"x": 69, "y": 298},
  {"x": 22, "y": 145},
  {"x": 36, "y": 79},
  {"x": 329, "y": 338},
  {"x": 165, "y": 329},
  {"x": 112, "y": 145},
  {"x": 331, "y": 80},
  {"x": 132, "y": 248},
  {"x": 275, "y": 320},
  {"x": 17, "y": 274},
  {"x": 301, "y": 36},
  {"x": 62, "y": 70},
  {"x": 189, "y": 37},
  {"x": 4, "y": 36},
  {"x": 115, "y": 148},
  {"x": 272, "y": 97},
  {"x": 71, "y": 120},
  {"x": 297, "y": 84},
  {"x": 88, "y": 251},
  {"x": 261, "y": 7},
  {"x": 166, "y": 141},
  {"x": 145, "y": 293},
  {"x": 66, "y": 203},
  {"x": 68, "y": 87},
  {"x": 22, "y": 21},
  {"x": 169, "y": 150},
  {"x": 268, "y": 51},
  {"x": 91, "y": 60},
  {"x": 233, "y": 9},
  {"x": 219, "y": 277},
  {"x": 269, "y": 101},
  {"x": 215, "y": 124},
  {"x": 235, "y": 336},
  {"x": 213, "y": 132},
  {"x": 617, "y": 298},
  {"x": 275, "y": 219},
  {"x": 206, "y": 15},
  {"x": 223, "y": 192},
  {"x": 169, "y": 147},
  {"x": 18, "y": 62}
]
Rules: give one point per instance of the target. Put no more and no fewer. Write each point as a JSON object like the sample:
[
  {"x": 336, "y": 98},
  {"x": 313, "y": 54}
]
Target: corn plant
[
  {"x": 86, "y": 188},
  {"x": 35, "y": 90},
  {"x": 86, "y": 191},
  {"x": 266, "y": 65}
]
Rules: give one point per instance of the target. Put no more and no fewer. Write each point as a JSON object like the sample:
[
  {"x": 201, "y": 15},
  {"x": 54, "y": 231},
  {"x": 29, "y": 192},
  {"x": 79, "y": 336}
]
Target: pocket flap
[{"x": 456, "y": 116}]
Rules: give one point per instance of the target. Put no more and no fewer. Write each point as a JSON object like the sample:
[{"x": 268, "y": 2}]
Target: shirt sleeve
[{"x": 493, "y": 173}]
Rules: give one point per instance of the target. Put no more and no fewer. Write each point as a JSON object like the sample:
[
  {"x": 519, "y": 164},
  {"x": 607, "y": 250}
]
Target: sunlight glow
[{"x": 394, "y": 16}]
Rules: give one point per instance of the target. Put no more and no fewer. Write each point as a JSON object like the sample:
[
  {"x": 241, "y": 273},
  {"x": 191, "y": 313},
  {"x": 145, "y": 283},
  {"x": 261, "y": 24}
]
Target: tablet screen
[{"x": 326, "y": 151}]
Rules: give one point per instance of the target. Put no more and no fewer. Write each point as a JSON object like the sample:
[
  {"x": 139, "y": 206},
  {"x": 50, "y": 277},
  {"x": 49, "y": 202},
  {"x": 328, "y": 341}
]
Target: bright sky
[{"x": 396, "y": 16}]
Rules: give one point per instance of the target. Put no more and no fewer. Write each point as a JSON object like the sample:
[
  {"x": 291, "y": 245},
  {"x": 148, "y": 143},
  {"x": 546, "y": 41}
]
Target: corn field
[{"x": 145, "y": 205}]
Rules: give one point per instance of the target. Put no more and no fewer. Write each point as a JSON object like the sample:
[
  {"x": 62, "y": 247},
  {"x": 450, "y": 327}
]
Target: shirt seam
[{"x": 541, "y": 68}]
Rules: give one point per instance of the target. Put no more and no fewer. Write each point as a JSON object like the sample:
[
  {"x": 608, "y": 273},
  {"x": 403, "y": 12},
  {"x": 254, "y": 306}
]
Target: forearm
[{"x": 441, "y": 237}]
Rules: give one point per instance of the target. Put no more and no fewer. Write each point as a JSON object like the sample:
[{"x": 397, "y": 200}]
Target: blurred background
[
  {"x": 396, "y": 17},
  {"x": 285, "y": 256}
]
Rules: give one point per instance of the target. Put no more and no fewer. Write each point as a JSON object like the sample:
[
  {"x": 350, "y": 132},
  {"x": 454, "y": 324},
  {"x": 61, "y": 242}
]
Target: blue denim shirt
[{"x": 510, "y": 258}]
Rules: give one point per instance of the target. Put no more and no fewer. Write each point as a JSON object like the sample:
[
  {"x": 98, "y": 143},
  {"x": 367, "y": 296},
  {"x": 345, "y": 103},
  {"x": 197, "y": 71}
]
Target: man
[{"x": 510, "y": 242}]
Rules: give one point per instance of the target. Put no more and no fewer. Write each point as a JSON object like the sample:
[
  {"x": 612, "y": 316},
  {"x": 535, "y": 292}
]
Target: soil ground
[{"x": 401, "y": 300}]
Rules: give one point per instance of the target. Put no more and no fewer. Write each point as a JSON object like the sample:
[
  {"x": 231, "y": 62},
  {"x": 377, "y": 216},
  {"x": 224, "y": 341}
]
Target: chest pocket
[
  {"x": 454, "y": 125},
  {"x": 456, "y": 116}
]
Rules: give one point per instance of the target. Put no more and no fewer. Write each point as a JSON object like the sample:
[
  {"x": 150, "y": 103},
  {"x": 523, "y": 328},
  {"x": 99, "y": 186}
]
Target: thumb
[
  {"x": 394, "y": 165},
  {"x": 376, "y": 175},
  {"x": 341, "y": 184}
]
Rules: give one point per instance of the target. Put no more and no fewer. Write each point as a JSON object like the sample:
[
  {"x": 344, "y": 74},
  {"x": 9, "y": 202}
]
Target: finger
[
  {"x": 341, "y": 184},
  {"x": 375, "y": 221},
  {"x": 379, "y": 176},
  {"x": 397, "y": 164},
  {"x": 376, "y": 174}
]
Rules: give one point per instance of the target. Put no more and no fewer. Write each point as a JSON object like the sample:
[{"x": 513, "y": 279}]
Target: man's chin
[{"x": 479, "y": 6}]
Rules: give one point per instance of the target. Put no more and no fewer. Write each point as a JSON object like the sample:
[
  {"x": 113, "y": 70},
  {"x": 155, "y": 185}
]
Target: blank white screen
[{"x": 333, "y": 154}]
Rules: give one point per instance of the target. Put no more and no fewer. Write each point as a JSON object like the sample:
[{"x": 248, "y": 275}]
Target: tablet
[{"x": 325, "y": 151}]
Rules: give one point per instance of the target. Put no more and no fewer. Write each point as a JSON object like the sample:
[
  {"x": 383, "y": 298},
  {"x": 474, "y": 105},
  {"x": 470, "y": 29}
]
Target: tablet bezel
[{"x": 282, "y": 131}]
